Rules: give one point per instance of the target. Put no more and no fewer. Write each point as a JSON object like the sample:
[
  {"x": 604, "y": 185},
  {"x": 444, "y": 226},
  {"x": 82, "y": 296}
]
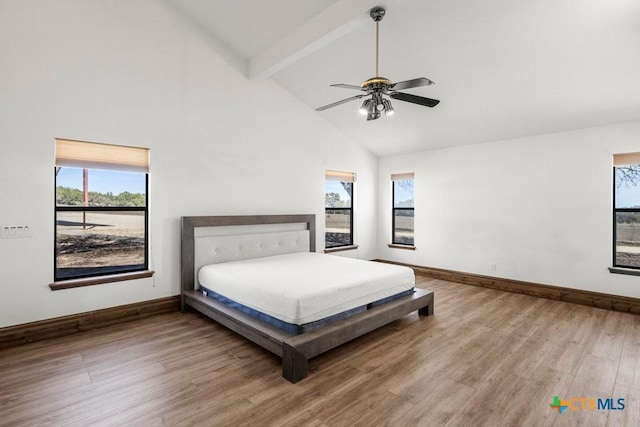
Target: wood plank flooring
[{"x": 486, "y": 358}]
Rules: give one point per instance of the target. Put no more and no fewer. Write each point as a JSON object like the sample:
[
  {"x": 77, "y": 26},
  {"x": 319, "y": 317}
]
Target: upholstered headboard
[
  {"x": 212, "y": 246},
  {"x": 215, "y": 239}
]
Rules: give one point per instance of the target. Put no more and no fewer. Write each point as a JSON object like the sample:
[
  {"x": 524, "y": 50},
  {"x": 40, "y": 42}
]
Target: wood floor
[{"x": 485, "y": 358}]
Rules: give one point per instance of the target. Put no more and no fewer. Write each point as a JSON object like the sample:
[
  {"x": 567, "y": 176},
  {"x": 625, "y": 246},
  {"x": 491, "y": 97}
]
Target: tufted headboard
[{"x": 215, "y": 239}]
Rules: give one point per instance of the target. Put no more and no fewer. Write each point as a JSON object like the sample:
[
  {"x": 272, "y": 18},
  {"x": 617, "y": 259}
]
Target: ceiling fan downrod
[{"x": 377, "y": 13}]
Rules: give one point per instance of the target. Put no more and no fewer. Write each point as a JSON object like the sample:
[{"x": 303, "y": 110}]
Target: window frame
[
  {"x": 615, "y": 227},
  {"x": 394, "y": 242},
  {"x": 95, "y": 278},
  {"x": 351, "y": 244}
]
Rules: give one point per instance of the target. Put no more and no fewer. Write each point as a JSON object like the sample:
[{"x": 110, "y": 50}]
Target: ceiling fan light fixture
[
  {"x": 378, "y": 100},
  {"x": 371, "y": 109},
  {"x": 373, "y": 115},
  {"x": 364, "y": 109},
  {"x": 388, "y": 108}
]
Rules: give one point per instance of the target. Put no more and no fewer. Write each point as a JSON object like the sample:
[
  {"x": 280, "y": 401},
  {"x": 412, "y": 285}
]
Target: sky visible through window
[
  {"x": 336, "y": 187},
  {"x": 628, "y": 197},
  {"x": 102, "y": 181},
  {"x": 403, "y": 193},
  {"x": 116, "y": 182}
]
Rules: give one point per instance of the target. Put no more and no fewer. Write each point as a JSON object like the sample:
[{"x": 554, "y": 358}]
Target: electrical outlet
[{"x": 493, "y": 266}]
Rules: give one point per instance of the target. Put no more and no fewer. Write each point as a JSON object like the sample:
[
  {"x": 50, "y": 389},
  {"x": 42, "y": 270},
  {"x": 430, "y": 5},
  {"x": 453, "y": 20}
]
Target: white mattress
[{"x": 304, "y": 287}]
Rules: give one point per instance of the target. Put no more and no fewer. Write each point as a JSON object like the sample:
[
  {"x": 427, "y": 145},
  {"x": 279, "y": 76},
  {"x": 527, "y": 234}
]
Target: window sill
[
  {"x": 90, "y": 281},
  {"x": 398, "y": 246},
  {"x": 621, "y": 270},
  {"x": 340, "y": 249}
]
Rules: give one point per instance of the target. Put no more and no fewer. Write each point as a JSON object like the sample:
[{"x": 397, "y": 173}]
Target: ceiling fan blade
[
  {"x": 420, "y": 100},
  {"x": 346, "y": 86},
  {"x": 340, "y": 102},
  {"x": 408, "y": 84}
]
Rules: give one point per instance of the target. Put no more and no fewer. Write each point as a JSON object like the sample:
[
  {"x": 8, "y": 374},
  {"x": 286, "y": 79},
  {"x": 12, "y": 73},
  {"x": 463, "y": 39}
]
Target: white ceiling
[{"x": 503, "y": 68}]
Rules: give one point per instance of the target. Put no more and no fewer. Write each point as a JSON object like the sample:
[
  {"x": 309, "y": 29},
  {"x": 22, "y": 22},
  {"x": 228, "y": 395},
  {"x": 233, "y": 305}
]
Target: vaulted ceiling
[{"x": 503, "y": 68}]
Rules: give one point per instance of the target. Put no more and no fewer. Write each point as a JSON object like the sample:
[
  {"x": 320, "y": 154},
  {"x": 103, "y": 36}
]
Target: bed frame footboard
[{"x": 298, "y": 349}]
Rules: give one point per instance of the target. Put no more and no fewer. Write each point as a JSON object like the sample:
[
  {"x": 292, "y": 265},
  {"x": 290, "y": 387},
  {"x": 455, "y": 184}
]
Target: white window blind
[
  {"x": 93, "y": 155},
  {"x": 626, "y": 159},
  {"x": 340, "y": 176}
]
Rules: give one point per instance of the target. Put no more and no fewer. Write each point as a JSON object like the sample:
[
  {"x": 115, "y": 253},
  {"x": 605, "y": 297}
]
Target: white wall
[
  {"x": 539, "y": 208},
  {"x": 135, "y": 73}
]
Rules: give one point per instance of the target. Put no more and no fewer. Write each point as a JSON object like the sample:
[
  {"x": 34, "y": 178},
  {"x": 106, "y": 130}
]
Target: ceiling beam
[{"x": 329, "y": 25}]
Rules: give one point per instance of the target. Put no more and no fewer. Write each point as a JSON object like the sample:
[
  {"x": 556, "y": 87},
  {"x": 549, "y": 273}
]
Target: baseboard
[
  {"x": 60, "y": 326},
  {"x": 576, "y": 296}
]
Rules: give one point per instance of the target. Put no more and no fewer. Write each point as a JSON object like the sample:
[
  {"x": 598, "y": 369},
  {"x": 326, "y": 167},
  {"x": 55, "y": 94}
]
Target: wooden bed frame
[{"x": 295, "y": 350}]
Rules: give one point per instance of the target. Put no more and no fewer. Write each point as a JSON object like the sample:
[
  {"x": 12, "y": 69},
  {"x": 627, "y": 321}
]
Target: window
[
  {"x": 338, "y": 203},
  {"x": 626, "y": 210},
  {"x": 101, "y": 209},
  {"x": 402, "y": 232}
]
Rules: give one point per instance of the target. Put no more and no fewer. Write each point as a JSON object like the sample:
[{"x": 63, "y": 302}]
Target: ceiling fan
[{"x": 380, "y": 89}]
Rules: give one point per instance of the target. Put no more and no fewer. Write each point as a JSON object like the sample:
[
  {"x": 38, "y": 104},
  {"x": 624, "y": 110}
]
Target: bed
[{"x": 223, "y": 255}]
